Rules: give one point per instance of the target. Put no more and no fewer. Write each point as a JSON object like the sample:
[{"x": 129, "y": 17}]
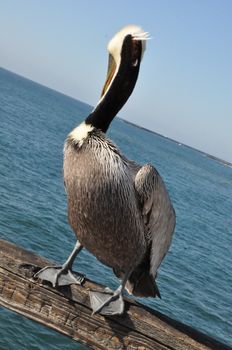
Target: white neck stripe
[{"x": 80, "y": 133}]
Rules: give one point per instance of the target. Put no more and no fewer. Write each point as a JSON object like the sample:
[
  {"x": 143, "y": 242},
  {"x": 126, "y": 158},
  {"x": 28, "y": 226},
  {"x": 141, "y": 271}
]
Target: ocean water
[{"x": 195, "y": 278}]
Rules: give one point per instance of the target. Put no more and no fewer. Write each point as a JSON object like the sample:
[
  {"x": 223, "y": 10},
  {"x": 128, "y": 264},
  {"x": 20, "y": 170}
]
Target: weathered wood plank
[{"x": 67, "y": 310}]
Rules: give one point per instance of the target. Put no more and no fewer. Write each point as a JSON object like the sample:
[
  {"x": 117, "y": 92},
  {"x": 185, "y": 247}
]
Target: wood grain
[{"x": 67, "y": 310}]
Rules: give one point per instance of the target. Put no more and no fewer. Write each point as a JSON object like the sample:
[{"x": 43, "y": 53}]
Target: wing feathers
[{"x": 157, "y": 211}]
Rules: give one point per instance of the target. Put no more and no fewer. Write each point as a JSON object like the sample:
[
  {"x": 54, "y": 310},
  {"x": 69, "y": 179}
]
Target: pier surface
[{"x": 67, "y": 310}]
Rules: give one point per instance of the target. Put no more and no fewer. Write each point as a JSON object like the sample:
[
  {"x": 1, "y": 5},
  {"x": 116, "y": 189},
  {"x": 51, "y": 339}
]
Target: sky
[{"x": 184, "y": 90}]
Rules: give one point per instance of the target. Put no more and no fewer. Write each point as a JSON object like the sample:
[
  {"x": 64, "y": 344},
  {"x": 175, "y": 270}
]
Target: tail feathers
[{"x": 142, "y": 285}]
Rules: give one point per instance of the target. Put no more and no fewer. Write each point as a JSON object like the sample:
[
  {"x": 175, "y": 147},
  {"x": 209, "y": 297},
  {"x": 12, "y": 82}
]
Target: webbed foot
[
  {"x": 107, "y": 302},
  {"x": 62, "y": 275},
  {"x": 59, "y": 276}
]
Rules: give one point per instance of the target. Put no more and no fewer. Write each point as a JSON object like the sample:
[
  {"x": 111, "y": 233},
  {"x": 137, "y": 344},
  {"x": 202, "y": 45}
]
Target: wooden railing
[{"x": 67, "y": 310}]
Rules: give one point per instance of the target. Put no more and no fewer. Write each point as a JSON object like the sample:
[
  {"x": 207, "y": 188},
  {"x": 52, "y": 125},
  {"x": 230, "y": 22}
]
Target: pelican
[{"x": 120, "y": 211}]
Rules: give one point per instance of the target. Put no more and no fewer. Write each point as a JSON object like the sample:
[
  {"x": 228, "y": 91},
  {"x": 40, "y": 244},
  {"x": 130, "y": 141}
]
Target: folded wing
[{"x": 157, "y": 212}]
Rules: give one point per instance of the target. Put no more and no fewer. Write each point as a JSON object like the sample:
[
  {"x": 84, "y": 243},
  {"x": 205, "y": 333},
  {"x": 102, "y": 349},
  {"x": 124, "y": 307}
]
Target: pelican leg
[
  {"x": 108, "y": 302},
  {"x": 62, "y": 275}
]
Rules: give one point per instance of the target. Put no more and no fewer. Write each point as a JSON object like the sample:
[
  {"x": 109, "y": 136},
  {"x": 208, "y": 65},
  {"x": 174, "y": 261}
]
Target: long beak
[{"x": 110, "y": 74}]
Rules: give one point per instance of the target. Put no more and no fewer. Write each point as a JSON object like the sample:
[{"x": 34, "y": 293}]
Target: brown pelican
[{"x": 120, "y": 211}]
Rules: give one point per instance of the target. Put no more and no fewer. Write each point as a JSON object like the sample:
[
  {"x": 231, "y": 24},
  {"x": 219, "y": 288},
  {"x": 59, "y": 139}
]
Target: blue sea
[{"x": 195, "y": 278}]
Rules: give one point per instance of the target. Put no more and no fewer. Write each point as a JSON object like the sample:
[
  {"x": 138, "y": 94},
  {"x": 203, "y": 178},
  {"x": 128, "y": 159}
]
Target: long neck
[{"x": 116, "y": 96}]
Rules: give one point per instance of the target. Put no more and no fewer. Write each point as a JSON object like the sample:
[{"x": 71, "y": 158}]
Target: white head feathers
[{"x": 115, "y": 45}]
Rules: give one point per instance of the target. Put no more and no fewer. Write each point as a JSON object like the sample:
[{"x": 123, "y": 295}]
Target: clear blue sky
[{"x": 184, "y": 90}]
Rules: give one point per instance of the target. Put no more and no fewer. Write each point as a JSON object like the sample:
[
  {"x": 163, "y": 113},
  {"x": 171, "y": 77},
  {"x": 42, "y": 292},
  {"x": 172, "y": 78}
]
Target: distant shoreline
[{"x": 222, "y": 161}]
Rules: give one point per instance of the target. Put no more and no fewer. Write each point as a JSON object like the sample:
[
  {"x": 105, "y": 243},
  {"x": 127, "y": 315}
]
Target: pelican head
[
  {"x": 127, "y": 47},
  {"x": 126, "y": 51}
]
